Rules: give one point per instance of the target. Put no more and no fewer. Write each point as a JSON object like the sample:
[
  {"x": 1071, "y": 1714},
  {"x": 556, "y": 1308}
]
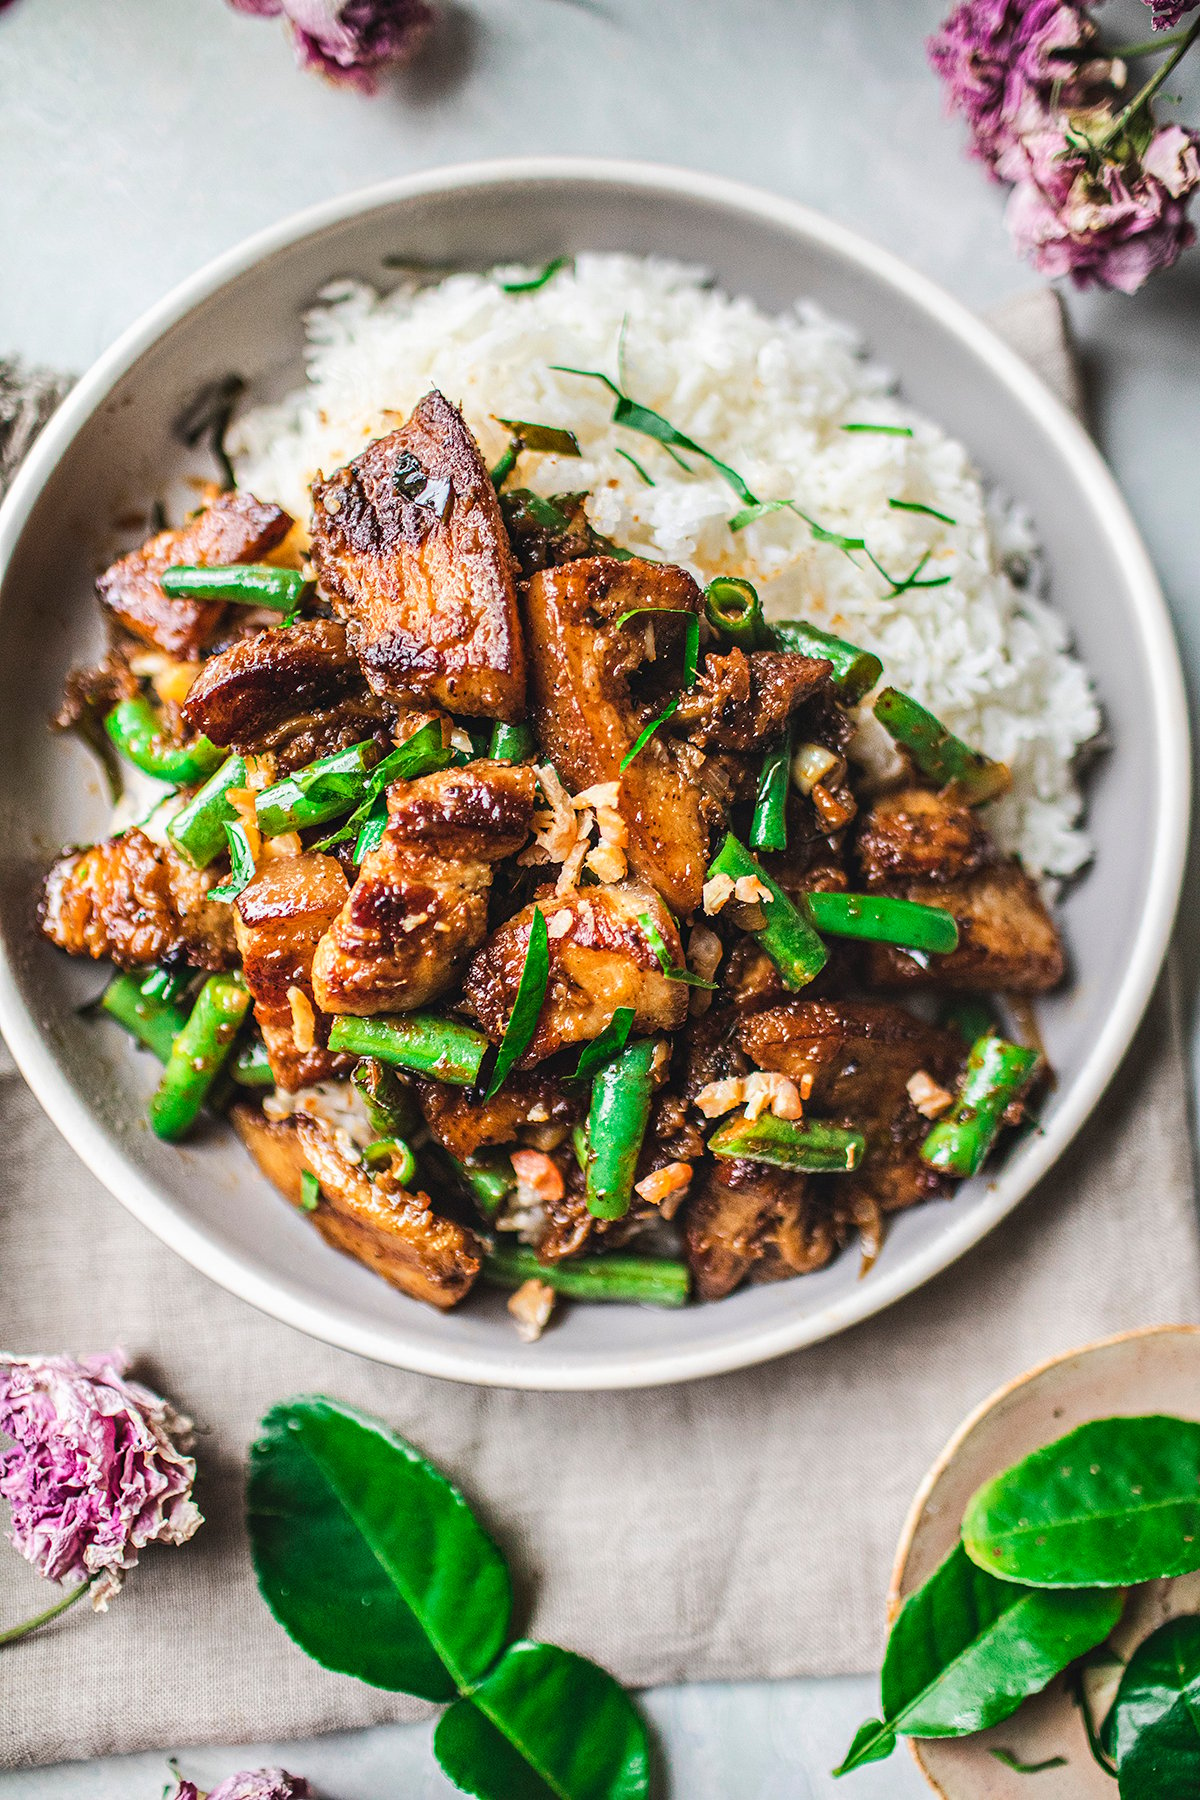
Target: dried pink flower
[
  {"x": 252, "y": 1784},
  {"x": 96, "y": 1468},
  {"x": 349, "y": 41},
  {"x": 1168, "y": 13}
]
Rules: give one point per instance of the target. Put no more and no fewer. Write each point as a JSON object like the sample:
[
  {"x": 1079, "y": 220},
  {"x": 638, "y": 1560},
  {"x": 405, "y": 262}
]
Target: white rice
[{"x": 768, "y": 396}]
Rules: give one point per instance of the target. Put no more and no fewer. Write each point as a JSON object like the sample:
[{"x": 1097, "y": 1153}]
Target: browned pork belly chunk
[
  {"x": 297, "y": 694},
  {"x": 600, "y": 959},
  {"x": 748, "y": 1220},
  {"x": 236, "y": 528},
  {"x": 136, "y": 902},
  {"x": 742, "y": 702},
  {"x": 916, "y": 834},
  {"x": 419, "y": 906},
  {"x": 860, "y": 1056},
  {"x": 463, "y": 1124},
  {"x": 394, "y": 1232},
  {"x": 279, "y": 919},
  {"x": 1007, "y": 941},
  {"x": 581, "y": 662},
  {"x": 409, "y": 540}
]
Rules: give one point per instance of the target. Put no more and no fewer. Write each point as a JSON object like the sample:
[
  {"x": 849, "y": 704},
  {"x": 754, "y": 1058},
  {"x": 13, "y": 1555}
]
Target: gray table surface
[{"x": 140, "y": 137}]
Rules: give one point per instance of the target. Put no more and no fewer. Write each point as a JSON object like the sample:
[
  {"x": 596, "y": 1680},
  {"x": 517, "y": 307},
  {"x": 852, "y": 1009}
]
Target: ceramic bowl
[
  {"x": 1156, "y": 1370},
  {"x": 110, "y": 450}
]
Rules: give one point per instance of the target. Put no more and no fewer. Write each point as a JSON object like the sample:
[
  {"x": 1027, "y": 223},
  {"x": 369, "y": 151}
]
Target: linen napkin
[{"x": 730, "y": 1529}]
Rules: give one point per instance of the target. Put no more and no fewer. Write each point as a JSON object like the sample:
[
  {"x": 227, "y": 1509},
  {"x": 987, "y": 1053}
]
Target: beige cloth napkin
[{"x": 735, "y": 1528}]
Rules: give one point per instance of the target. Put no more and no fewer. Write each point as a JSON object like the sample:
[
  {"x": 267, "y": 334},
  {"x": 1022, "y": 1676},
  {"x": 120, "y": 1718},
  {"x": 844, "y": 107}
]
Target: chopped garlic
[
  {"x": 559, "y": 923},
  {"x": 600, "y": 794},
  {"x": 665, "y": 1187},
  {"x": 717, "y": 891},
  {"x": 928, "y": 1096},
  {"x": 810, "y": 764},
  {"x": 756, "y": 1092},
  {"x": 531, "y": 1306},
  {"x": 304, "y": 1020},
  {"x": 607, "y": 862},
  {"x": 288, "y": 843},
  {"x": 748, "y": 889}
]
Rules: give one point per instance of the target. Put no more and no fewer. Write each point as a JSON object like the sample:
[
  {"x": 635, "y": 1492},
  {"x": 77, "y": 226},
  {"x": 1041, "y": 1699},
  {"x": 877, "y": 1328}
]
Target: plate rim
[{"x": 732, "y": 1349}]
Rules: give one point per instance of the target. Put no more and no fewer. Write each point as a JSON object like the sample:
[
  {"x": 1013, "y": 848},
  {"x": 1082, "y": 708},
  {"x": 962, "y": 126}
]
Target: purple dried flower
[
  {"x": 252, "y": 1784},
  {"x": 96, "y": 1469},
  {"x": 350, "y": 40},
  {"x": 1106, "y": 223},
  {"x": 1168, "y": 13}
]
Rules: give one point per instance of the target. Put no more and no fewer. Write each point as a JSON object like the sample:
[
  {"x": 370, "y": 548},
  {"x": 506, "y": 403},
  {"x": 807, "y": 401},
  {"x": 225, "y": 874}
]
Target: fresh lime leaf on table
[
  {"x": 1155, "y": 1731},
  {"x": 545, "y": 1725},
  {"x": 966, "y": 1649},
  {"x": 368, "y": 1557},
  {"x": 1113, "y": 1503}
]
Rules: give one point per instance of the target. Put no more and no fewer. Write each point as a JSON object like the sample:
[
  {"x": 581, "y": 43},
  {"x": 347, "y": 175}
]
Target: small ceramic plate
[
  {"x": 113, "y": 446},
  {"x": 1152, "y": 1371}
]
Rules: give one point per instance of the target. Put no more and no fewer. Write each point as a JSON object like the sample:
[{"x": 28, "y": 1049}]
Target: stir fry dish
[{"x": 519, "y": 901}]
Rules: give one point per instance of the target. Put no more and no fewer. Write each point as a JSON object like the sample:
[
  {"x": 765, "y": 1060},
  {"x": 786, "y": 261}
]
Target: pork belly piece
[
  {"x": 1007, "y": 941},
  {"x": 915, "y": 834},
  {"x": 747, "y": 1220},
  {"x": 419, "y": 906},
  {"x": 236, "y": 528},
  {"x": 279, "y": 920},
  {"x": 463, "y": 1124},
  {"x": 587, "y": 719},
  {"x": 600, "y": 959},
  {"x": 133, "y": 902},
  {"x": 394, "y": 1232},
  {"x": 741, "y": 702},
  {"x": 860, "y": 1056},
  {"x": 296, "y": 694},
  {"x": 409, "y": 540}
]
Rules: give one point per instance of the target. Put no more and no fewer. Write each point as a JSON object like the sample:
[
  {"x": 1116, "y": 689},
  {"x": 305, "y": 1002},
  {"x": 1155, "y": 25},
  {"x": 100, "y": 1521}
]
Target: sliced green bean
[
  {"x": 969, "y": 1015},
  {"x": 808, "y": 1144},
  {"x": 511, "y": 743},
  {"x": 251, "y": 1067},
  {"x": 151, "y": 1018},
  {"x": 617, "y": 1120},
  {"x": 937, "y": 752},
  {"x": 198, "y": 1055},
  {"x": 733, "y": 608},
  {"x": 388, "y": 1103},
  {"x": 316, "y": 793},
  {"x": 246, "y": 584},
  {"x": 168, "y": 984},
  {"x": 880, "y": 919},
  {"x": 134, "y": 727},
  {"x": 768, "y": 831},
  {"x": 393, "y": 1154},
  {"x": 786, "y": 934},
  {"x": 855, "y": 671},
  {"x": 198, "y": 829},
  {"x": 997, "y": 1073},
  {"x": 645, "y": 1280},
  {"x": 420, "y": 1041},
  {"x": 487, "y": 1178}
]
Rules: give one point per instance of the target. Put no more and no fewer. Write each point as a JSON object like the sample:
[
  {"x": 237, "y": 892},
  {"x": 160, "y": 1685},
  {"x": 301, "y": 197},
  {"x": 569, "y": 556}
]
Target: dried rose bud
[
  {"x": 96, "y": 1469},
  {"x": 349, "y": 41},
  {"x": 1168, "y": 13},
  {"x": 251, "y": 1784}
]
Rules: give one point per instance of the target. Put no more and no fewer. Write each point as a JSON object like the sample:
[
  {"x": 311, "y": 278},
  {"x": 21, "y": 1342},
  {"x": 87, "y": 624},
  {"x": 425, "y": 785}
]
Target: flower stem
[
  {"x": 1150, "y": 89},
  {"x": 1166, "y": 40},
  {"x": 43, "y": 1618}
]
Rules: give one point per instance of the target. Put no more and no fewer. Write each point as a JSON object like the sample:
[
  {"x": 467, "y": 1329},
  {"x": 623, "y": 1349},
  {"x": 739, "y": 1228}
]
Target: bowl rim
[{"x": 729, "y": 1349}]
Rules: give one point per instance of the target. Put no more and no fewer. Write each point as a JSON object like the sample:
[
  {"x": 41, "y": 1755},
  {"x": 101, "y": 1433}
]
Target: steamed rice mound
[{"x": 769, "y": 396}]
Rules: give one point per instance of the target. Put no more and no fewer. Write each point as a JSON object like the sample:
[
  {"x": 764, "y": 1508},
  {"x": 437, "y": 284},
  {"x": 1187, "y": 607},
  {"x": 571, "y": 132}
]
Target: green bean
[
  {"x": 768, "y": 830},
  {"x": 880, "y": 919},
  {"x": 198, "y": 829},
  {"x": 855, "y": 671},
  {"x": 198, "y": 1055},
  {"x": 394, "y": 1155},
  {"x": 168, "y": 984},
  {"x": 486, "y": 1179},
  {"x": 996, "y": 1075},
  {"x": 617, "y": 1120},
  {"x": 135, "y": 729},
  {"x": 808, "y": 1144},
  {"x": 154, "y": 1020},
  {"x": 937, "y": 752},
  {"x": 251, "y": 1067},
  {"x": 511, "y": 743},
  {"x": 786, "y": 934},
  {"x": 247, "y": 584},
  {"x": 321, "y": 790},
  {"x": 420, "y": 1041},
  {"x": 387, "y": 1102},
  {"x": 648, "y": 1280},
  {"x": 733, "y": 608},
  {"x": 970, "y": 1016}
]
